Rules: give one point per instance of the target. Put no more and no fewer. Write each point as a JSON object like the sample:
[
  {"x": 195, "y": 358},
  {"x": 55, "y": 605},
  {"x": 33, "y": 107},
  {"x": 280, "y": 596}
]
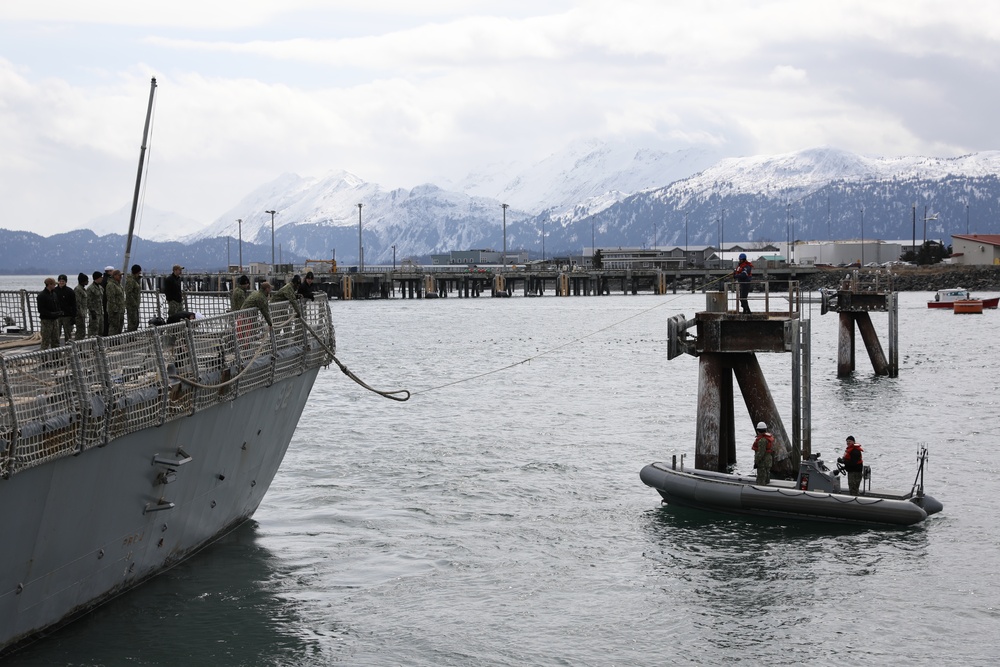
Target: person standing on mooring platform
[{"x": 743, "y": 274}]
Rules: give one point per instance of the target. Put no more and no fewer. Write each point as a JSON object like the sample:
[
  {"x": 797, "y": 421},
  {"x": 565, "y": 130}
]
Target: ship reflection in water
[{"x": 216, "y": 609}]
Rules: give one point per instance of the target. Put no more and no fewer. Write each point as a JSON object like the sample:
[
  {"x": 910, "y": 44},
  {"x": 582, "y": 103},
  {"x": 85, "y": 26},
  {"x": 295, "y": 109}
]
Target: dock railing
[{"x": 771, "y": 297}]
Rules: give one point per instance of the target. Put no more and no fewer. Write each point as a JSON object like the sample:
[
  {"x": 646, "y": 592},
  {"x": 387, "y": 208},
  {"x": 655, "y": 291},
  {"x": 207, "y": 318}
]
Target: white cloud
[
  {"x": 403, "y": 93},
  {"x": 788, "y": 75}
]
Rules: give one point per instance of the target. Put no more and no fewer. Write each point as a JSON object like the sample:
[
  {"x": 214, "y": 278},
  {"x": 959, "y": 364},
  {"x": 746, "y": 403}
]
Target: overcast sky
[{"x": 403, "y": 92}]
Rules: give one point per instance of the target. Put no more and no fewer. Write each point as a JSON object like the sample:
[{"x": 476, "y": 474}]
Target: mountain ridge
[{"x": 815, "y": 193}]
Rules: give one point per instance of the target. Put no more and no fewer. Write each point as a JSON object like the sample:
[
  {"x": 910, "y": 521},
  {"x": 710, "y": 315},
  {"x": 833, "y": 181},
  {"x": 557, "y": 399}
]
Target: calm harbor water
[{"x": 498, "y": 518}]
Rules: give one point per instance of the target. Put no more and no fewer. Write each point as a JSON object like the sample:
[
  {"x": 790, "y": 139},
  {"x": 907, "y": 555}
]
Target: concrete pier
[{"x": 428, "y": 282}]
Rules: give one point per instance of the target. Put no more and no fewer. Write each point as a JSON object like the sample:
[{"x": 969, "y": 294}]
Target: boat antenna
[
  {"x": 918, "y": 482},
  {"x": 138, "y": 177}
]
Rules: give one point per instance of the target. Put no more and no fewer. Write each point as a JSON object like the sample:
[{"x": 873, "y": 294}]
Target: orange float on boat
[{"x": 968, "y": 306}]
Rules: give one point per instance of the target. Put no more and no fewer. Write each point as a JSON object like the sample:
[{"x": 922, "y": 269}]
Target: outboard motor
[{"x": 815, "y": 476}]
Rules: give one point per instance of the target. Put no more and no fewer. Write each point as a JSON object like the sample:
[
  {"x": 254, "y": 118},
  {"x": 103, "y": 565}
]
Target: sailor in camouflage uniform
[
  {"x": 290, "y": 293},
  {"x": 239, "y": 294},
  {"x": 81, "y": 305},
  {"x": 95, "y": 305},
  {"x": 132, "y": 292},
  {"x": 259, "y": 299},
  {"x": 116, "y": 304}
]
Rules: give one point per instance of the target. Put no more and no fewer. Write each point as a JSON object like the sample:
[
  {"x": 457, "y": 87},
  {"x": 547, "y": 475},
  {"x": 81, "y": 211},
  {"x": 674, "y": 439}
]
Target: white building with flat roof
[{"x": 809, "y": 253}]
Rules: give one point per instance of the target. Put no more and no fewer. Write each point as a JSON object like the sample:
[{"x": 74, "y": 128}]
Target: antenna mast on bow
[{"x": 138, "y": 176}]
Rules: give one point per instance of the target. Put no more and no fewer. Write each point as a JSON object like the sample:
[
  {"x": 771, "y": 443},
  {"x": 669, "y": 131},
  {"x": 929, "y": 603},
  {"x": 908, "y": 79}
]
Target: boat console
[{"x": 815, "y": 476}]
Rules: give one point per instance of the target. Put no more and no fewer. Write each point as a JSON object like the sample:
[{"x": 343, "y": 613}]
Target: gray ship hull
[
  {"x": 80, "y": 531},
  {"x": 121, "y": 456}
]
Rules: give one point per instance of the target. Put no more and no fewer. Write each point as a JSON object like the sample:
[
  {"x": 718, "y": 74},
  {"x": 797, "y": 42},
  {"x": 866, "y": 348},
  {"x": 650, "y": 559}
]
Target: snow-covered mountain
[
  {"x": 613, "y": 195},
  {"x": 316, "y": 216},
  {"x": 819, "y": 193},
  {"x": 328, "y": 201},
  {"x": 801, "y": 173},
  {"x": 587, "y": 173}
]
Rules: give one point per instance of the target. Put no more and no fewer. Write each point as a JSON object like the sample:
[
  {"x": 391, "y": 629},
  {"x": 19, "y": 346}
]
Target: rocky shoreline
[{"x": 916, "y": 278}]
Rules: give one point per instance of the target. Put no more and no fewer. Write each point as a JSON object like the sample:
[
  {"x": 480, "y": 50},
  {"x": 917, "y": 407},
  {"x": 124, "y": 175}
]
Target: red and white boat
[{"x": 946, "y": 298}]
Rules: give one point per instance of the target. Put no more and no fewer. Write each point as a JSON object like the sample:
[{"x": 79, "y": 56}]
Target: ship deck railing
[
  {"x": 64, "y": 401},
  {"x": 18, "y": 310}
]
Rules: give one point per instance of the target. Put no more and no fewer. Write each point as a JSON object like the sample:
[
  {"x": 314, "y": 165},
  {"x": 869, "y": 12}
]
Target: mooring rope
[
  {"x": 246, "y": 367},
  {"x": 559, "y": 347},
  {"x": 404, "y": 394},
  {"x": 398, "y": 395},
  {"x": 33, "y": 339}
]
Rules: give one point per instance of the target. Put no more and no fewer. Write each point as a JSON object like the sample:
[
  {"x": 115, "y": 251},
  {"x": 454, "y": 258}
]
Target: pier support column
[
  {"x": 872, "y": 344},
  {"x": 715, "y": 438},
  {"x": 846, "y": 348},
  {"x": 845, "y": 345},
  {"x": 708, "y": 433},
  {"x": 760, "y": 405}
]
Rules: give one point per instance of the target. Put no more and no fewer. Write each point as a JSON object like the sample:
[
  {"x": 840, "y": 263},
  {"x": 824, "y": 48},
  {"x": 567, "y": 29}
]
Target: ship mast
[{"x": 138, "y": 176}]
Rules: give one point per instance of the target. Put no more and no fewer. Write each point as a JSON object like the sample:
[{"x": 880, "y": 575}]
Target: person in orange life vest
[
  {"x": 763, "y": 457},
  {"x": 743, "y": 273},
  {"x": 854, "y": 464}
]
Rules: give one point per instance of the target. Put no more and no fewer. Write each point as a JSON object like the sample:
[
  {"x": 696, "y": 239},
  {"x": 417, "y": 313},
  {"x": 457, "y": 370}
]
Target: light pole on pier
[
  {"x": 932, "y": 216},
  {"x": 788, "y": 230},
  {"x": 361, "y": 259},
  {"x": 504, "y": 207},
  {"x": 393, "y": 256},
  {"x": 272, "y": 240},
  {"x": 239, "y": 222},
  {"x": 722, "y": 230},
  {"x": 862, "y": 236},
  {"x": 686, "y": 259}
]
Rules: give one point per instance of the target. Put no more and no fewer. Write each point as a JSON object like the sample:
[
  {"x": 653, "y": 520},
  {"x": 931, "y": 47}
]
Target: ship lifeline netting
[{"x": 63, "y": 401}]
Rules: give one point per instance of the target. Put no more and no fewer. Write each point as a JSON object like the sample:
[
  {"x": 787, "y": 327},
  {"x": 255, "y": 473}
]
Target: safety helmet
[
  {"x": 743, "y": 257},
  {"x": 761, "y": 426}
]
